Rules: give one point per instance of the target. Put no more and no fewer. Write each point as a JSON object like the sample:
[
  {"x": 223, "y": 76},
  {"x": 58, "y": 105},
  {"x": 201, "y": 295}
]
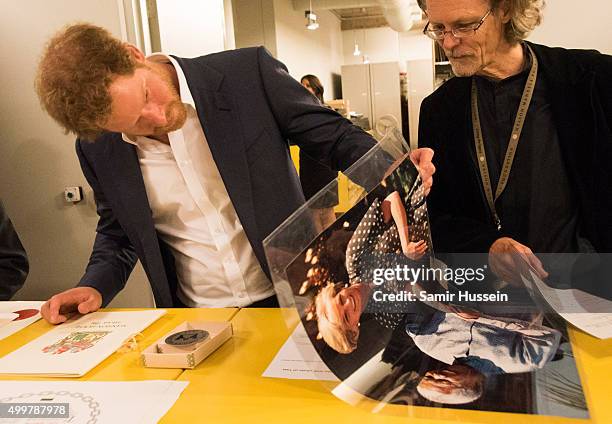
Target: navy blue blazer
[{"x": 249, "y": 107}]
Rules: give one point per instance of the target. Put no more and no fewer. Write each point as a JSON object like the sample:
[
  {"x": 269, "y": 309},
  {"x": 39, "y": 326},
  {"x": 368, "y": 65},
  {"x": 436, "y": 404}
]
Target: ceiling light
[{"x": 311, "y": 20}]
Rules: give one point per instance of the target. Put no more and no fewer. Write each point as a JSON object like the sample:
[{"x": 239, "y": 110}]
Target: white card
[
  {"x": 297, "y": 359},
  {"x": 95, "y": 402},
  {"x": 73, "y": 348},
  {"x": 15, "y": 315}
]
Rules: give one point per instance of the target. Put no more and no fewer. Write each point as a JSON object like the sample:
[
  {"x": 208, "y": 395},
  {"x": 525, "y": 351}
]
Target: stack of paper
[{"x": 591, "y": 314}]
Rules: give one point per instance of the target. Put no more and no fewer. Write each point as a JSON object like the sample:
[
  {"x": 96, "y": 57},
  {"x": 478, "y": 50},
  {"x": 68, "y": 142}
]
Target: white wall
[
  {"x": 385, "y": 45},
  {"x": 254, "y": 24},
  {"x": 276, "y": 25},
  {"x": 37, "y": 160},
  {"x": 415, "y": 46},
  {"x": 378, "y": 44},
  {"x": 411, "y": 50},
  {"x": 191, "y": 28},
  {"x": 584, "y": 25},
  {"x": 304, "y": 51}
]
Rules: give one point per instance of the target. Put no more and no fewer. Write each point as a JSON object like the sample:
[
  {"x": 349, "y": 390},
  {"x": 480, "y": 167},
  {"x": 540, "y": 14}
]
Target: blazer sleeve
[
  {"x": 322, "y": 133},
  {"x": 14, "y": 265},
  {"x": 113, "y": 256}
]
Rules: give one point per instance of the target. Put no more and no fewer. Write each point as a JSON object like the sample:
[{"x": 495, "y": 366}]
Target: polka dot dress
[
  {"x": 376, "y": 244},
  {"x": 371, "y": 241},
  {"x": 373, "y": 246}
]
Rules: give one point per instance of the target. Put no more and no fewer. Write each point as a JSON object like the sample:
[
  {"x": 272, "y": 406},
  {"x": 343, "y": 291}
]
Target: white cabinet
[
  {"x": 373, "y": 90},
  {"x": 420, "y": 85}
]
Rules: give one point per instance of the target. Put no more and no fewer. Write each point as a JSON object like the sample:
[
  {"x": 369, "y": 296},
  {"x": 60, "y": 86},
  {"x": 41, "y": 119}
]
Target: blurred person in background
[{"x": 14, "y": 265}]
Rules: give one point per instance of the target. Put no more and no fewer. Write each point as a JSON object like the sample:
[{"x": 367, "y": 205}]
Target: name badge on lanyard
[{"x": 519, "y": 121}]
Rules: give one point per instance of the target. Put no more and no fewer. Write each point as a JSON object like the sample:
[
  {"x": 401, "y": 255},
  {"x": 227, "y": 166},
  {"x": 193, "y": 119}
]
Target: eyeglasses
[{"x": 458, "y": 32}]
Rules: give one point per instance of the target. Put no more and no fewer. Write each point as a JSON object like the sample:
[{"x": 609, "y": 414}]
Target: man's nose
[
  {"x": 449, "y": 41},
  {"x": 155, "y": 114}
]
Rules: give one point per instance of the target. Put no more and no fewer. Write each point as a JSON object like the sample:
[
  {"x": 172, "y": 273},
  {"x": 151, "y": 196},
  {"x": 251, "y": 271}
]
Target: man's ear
[
  {"x": 135, "y": 52},
  {"x": 504, "y": 11}
]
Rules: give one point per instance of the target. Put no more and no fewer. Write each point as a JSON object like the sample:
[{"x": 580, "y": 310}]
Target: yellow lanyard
[{"x": 514, "y": 139}]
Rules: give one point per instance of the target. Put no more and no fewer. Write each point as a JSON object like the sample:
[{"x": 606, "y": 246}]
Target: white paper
[
  {"x": 581, "y": 306},
  {"x": 75, "y": 347},
  {"x": 297, "y": 359},
  {"x": 17, "y": 315},
  {"x": 96, "y": 402}
]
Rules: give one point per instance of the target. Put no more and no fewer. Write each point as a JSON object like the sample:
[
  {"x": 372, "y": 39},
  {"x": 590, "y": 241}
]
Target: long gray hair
[{"x": 525, "y": 16}]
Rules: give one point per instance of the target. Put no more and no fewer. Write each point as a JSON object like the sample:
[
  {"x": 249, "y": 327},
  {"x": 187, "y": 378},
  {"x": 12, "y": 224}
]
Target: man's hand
[
  {"x": 501, "y": 259},
  {"x": 62, "y": 306},
  {"x": 421, "y": 158}
]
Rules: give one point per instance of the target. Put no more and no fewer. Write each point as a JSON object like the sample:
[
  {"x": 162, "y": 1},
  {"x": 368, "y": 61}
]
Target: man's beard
[
  {"x": 464, "y": 65},
  {"x": 176, "y": 113}
]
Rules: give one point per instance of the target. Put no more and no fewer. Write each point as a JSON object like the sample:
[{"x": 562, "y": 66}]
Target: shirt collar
[{"x": 184, "y": 91}]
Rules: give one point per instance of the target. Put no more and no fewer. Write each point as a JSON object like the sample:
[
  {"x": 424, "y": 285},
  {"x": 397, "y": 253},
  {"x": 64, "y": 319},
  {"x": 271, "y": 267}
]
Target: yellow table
[
  {"x": 228, "y": 387},
  {"x": 120, "y": 366},
  {"x": 594, "y": 360}
]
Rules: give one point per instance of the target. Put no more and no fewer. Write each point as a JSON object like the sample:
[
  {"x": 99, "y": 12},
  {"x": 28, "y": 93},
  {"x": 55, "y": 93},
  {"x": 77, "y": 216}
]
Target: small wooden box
[{"x": 219, "y": 333}]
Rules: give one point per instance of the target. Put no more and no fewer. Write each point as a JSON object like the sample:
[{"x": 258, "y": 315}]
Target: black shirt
[{"x": 538, "y": 206}]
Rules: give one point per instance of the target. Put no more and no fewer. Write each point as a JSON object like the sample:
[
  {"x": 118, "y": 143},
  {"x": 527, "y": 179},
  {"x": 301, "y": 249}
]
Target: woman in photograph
[{"x": 379, "y": 240}]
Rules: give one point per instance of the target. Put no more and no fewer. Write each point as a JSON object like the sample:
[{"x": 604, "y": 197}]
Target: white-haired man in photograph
[{"x": 452, "y": 385}]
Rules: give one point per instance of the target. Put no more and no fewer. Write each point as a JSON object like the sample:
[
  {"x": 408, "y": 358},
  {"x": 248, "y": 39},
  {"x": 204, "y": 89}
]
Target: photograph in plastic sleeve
[{"x": 359, "y": 289}]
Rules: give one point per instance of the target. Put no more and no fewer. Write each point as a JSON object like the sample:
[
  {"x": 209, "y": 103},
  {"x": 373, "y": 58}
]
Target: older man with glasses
[{"x": 523, "y": 137}]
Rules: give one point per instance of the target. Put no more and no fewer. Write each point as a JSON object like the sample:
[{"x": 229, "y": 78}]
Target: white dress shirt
[
  {"x": 194, "y": 216},
  {"x": 511, "y": 345}
]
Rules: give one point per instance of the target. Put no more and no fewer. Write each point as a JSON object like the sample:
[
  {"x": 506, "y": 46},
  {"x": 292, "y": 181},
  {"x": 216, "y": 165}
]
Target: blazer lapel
[
  {"x": 221, "y": 125},
  {"x": 131, "y": 194}
]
